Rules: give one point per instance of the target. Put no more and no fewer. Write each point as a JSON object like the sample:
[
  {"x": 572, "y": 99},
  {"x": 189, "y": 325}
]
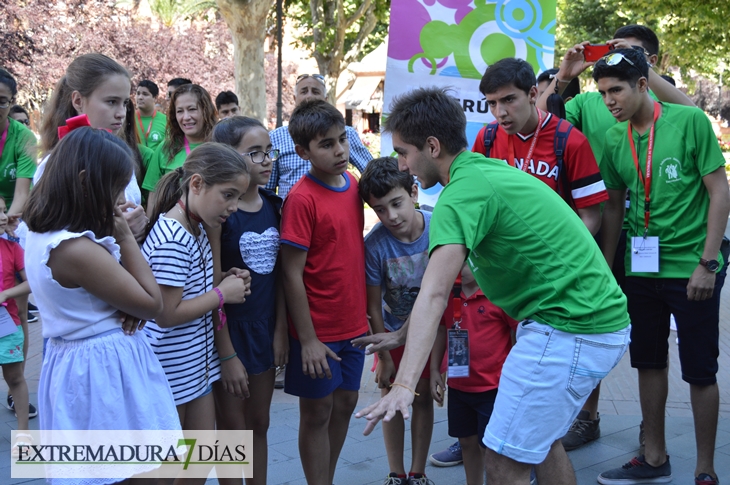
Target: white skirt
[{"x": 109, "y": 381}]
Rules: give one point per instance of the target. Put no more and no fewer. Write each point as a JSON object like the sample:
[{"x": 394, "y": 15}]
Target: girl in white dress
[{"x": 96, "y": 375}]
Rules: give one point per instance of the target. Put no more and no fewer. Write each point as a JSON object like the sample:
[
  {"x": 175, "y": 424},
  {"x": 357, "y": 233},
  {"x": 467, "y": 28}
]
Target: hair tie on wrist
[{"x": 229, "y": 357}]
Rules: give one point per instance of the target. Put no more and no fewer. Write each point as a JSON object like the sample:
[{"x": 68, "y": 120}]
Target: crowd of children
[{"x": 222, "y": 281}]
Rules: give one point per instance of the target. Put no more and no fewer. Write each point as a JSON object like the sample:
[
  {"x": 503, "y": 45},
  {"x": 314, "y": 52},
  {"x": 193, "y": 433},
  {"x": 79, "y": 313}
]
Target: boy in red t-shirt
[
  {"x": 323, "y": 266},
  {"x": 471, "y": 399}
]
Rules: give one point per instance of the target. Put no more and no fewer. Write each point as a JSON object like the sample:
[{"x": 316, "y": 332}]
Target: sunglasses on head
[
  {"x": 615, "y": 59},
  {"x": 318, "y": 77}
]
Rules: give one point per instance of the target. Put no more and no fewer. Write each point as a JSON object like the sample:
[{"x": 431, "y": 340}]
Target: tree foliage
[
  {"x": 339, "y": 32},
  {"x": 39, "y": 39},
  {"x": 693, "y": 34}
]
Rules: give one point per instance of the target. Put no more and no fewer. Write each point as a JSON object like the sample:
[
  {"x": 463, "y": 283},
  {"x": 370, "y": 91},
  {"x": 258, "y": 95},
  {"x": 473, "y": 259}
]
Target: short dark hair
[
  {"x": 381, "y": 176},
  {"x": 226, "y": 97},
  {"x": 16, "y": 108},
  {"x": 313, "y": 118},
  {"x": 647, "y": 36},
  {"x": 623, "y": 71},
  {"x": 571, "y": 91},
  {"x": 426, "y": 112},
  {"x": 508, "y": 71},
  {"x": 64, "y": 199},
  {"x": 178, "y": 81},
  {"x": 151, "y": 87},
  {"x": 7, "y": 79},
  {"x": 669, "y": 79}
]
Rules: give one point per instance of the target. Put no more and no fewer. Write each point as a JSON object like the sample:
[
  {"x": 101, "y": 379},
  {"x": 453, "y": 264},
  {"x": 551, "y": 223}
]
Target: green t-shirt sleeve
[
  {"x": 148, "y": 156},
  {"x": 611, "y": 157},
  {"x": 708, "y": 155},
  {"x": 154, "y": 171},
  {"x": 573, "y": 109},
  {"x": 26, "y": 150}
]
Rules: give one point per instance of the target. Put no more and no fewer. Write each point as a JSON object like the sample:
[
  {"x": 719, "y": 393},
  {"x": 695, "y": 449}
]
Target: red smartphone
[{"x": 593, "y": 52}]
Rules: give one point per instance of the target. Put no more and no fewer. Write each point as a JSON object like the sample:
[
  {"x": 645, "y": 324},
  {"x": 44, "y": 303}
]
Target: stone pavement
[{"x": 363, "y": 459}]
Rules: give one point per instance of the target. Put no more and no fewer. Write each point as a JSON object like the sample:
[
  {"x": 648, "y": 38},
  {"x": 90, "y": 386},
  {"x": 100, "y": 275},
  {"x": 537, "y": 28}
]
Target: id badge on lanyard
[
  {"x": 458, "y": 342},
  {"x": 645, "y": 249}
]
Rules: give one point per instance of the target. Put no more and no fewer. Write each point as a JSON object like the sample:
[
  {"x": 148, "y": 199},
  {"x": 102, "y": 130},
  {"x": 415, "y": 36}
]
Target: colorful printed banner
[{"x": 450, "y": 43}]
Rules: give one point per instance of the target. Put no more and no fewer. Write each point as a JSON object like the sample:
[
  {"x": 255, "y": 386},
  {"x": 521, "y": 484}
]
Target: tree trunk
[{"x": 246, "y": 19}]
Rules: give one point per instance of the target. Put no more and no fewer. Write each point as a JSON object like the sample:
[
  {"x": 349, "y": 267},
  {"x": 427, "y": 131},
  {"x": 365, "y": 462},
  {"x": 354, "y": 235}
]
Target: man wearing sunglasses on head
[
  {"x": 668, "y": 157},
  {"x": 290, "y": 167},
  {"x": 587, "y": 112}
]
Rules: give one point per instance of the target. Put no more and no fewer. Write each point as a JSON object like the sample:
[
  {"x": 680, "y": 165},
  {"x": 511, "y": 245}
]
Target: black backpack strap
[
  {"x": 490, "y": 133},
  {"x": 562, "y": 132}
]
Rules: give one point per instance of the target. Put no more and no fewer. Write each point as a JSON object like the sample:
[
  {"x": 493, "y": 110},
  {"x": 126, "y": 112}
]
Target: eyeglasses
[
  {"x": 25, "y": 122},
  {"x": 318, "y": 77},
  {"x": 5, "y": 104},
  {"x": 259, "y": 156},
  {"x": 615, "y": 59}
]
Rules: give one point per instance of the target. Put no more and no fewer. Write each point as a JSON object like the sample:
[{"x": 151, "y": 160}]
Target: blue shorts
[
  {"x": 650, "y": 302},
  {"x": 469, "y": 412},
  {"x": 346, "y": 374},
  {"x": 253, "y": 341}
]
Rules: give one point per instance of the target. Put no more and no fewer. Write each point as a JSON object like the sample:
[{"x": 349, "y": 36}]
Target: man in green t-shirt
[
  {"x": 669, "y": 158},
  {"x": 532, "y": 256},
  {"x": 151, "y": 124}
]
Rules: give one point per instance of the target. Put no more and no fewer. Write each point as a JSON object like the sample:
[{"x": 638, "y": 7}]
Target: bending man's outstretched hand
[
  {"x": 397, "y": 400},
  {"x": 380, "y": 342}
]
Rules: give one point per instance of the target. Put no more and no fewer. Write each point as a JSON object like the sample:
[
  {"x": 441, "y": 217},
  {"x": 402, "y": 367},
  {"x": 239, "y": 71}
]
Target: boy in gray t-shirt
[{"x": 396, "y": 256}]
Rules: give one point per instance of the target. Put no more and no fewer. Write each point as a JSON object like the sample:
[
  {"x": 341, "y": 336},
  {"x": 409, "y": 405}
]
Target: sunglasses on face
[
  {"x": 259, "y": 156},
  {"x": 642, "y": 50}
]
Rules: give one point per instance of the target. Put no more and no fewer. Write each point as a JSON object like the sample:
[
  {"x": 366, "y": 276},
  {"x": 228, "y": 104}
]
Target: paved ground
[{"x": 363, "y": 459}]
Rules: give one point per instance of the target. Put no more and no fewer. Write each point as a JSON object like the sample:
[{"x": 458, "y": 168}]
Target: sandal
[{"x": 25, "y": 439}]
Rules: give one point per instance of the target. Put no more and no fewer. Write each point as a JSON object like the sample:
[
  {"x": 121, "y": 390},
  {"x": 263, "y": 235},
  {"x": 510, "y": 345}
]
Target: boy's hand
[
  {"x": 437, "y": 387},
  {"x": 573, "y": 63},
  {"x": 235, "y": 378},
  {"x": 314, "y": 359},
  {"x": 384, "y": 370},
  {"x": 281, "y": 347}
]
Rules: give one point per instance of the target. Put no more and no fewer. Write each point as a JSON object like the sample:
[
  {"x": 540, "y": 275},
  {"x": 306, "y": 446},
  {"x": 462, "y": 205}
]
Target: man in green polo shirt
[
  {"x": 669, "y": 158},
  {"x": 151, "y": 123},
  {"x": 532, "y": 256}
]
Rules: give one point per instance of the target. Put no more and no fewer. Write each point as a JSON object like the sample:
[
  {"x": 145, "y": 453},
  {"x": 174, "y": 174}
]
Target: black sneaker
[
  {"x": 32, "y": 308},
  {"x": 419, "y": 479},
  {"x": 582, "y": 431},
  {"x": 637, "y": 471},
  {"x": 279, "y": 377},
  {"x": 32, "y": 411},
  {"x": 32, "y": 318},
  {"x": 394, "y": 479}
]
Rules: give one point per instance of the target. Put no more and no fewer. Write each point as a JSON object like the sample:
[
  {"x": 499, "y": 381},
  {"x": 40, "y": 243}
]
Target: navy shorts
[
  {"x": 253, "y": 341},
  {"x": 469, "y": 413},
  {"x": 650, "y": 303},
  {"x": 346, "y": 374}
]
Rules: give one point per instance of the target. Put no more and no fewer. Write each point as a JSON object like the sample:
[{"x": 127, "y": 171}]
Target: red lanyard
[
  {"x": 187, "y": 146},
  {"x": 456, "y": 302},
  {"x": 649, "y": 153},
  {"x": 4, "y": 137},
  {"x": 511, "y": 148},
  {"x": 141, "y": 126}
]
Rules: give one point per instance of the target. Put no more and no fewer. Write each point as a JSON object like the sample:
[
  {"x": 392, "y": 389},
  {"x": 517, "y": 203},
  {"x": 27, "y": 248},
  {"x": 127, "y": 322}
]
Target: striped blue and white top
[{"x": 178, "y": 259}]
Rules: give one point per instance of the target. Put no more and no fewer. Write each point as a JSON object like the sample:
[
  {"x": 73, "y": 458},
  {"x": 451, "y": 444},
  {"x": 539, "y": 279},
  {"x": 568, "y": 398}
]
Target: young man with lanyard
[
  {"x": 290, "y": 167},
  {"x": 151, "y": 123},
  {"x": 537, "y": 142},
  {"x": 588, "y": 113},
  {"x": 668, "y": 157},
  {"x": 532, "y": 257}
]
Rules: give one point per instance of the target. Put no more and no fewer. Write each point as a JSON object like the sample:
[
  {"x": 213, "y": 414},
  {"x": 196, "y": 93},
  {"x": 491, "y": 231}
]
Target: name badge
[
  {"x": 7, "y": 325},
  {"x": 645, "y": 254},
  {"x": 458, "y": 352}
]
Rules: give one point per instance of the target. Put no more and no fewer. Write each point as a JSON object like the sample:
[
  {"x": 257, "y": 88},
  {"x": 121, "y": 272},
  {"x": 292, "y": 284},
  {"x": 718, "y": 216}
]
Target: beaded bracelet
[
  {"x": 221, "y": 313},
  {"x": 403, "y": 385},
  {"x": 229, "y": 357}
]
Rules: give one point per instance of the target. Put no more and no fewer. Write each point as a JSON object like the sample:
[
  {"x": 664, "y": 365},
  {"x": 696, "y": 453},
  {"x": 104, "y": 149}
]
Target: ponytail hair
[
  {"x": 84, "y": 74},
  {"x": 85, "y": 175},
  {"x": 214, "y": 162},
  {"x": 131, "y": 137},
  {"x": 231, "y": 131},
  {"x": 174, "y": 136}
]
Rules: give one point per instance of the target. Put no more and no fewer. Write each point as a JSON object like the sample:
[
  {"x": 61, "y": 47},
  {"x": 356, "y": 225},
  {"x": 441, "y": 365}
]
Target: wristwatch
[{"x": 711, "y": 265}]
